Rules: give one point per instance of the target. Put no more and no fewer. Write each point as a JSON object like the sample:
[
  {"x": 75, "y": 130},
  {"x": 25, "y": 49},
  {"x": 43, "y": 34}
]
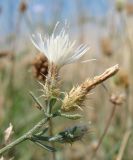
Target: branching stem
[{"x": 26, "y": 136}]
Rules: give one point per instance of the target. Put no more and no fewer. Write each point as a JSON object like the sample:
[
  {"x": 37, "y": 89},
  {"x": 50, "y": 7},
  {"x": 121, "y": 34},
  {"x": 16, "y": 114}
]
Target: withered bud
[
  {"x": 23, "y": 7},
  {"x": 122, "y": 79},
  {"x": 129, "y": 8},
  {"x": 4, "y": 54},
  {"x": 40, "y": 67},
  {"x": 75, "y": 98},
  {"x": 117, "y": 99},
  {"x": 106, "y": 46}
]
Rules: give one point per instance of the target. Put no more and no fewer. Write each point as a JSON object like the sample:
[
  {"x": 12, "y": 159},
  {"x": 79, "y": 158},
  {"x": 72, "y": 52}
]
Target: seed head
[
  {"x": 106, "y": 46},
  {"x": 122, "y": 79},
  {"x": 117, "y": 99},
  {"x": 58, "y": 48},
  {"x": 23, "y": 7}
]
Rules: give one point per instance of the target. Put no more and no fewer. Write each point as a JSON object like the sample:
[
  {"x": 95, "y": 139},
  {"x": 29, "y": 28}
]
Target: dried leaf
[{"x": 8, "y": 132}]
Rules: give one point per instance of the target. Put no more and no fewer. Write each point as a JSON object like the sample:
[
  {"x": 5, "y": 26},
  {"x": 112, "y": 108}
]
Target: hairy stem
[
  {"x": 49, "y": 109},
  {"x": 51, "y": 134},
  {"x": 24, "y": 137}
]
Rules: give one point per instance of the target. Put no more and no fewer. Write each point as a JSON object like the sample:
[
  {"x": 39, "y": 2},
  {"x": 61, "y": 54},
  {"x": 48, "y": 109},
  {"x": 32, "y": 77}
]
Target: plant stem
[
  {"x": 51, "y": 127},
  {"x": 128, "y": 129},
  {"x": 51, "y": 134},
  {"x": 26, "y": 136},
  {"x": 106, "y": 129},
  {"x": 123, "y": 145},
  {"x": 13, "y": 56}
]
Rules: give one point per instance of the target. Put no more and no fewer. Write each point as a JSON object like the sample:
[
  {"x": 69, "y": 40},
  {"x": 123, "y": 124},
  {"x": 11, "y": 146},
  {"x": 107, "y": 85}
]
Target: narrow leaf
[{"x": 51, "y": 149}]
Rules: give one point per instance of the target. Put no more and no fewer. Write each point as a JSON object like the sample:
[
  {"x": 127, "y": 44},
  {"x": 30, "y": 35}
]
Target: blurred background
[{"x": 107, "y": 26}]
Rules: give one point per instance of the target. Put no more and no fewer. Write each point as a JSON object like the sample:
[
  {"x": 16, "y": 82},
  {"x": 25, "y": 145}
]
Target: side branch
[
  {"x": 26, "y": 136},
  {"x": 75, "y": 98}
]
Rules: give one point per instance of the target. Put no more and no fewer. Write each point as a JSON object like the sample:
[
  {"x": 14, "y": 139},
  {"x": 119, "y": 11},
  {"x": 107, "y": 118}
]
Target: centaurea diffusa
[{"x": 59, "y": 51}]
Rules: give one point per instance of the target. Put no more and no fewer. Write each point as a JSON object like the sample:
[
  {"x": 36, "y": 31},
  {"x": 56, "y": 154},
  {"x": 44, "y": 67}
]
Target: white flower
[{"x": 58, "y": 48}]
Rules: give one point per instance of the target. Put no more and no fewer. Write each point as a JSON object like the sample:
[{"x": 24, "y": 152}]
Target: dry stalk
[
  {"x": 128, "y": 130},
  {"x": 116, "y": 101},
  {"x": 123, "y": 145},
  {"x": 106, "y": 129}
]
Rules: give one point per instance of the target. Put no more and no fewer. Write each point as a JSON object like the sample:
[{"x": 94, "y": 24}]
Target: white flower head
[{"x": 58, "y": 48}]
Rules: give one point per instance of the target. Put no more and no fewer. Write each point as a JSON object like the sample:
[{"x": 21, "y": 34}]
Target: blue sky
[{"x": 45, "y": 11}]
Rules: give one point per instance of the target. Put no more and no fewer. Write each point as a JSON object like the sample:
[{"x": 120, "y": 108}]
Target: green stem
[
  {"x": 26, "y": 136},
  {"x": 49, "y": 109},
  {"x": 51, "y": 134}
]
